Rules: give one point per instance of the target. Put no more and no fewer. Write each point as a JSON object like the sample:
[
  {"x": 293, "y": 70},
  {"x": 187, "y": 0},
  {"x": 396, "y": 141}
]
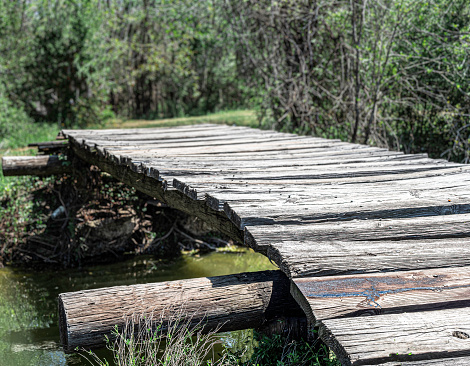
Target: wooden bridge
[{"x": 375, "y": 243}]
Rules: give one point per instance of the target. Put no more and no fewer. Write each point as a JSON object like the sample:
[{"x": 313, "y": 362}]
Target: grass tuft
[{"x": 147, "y": 340}]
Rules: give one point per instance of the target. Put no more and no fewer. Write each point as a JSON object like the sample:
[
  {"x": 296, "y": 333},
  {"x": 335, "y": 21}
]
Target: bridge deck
[{"x": 359, "y": 230}]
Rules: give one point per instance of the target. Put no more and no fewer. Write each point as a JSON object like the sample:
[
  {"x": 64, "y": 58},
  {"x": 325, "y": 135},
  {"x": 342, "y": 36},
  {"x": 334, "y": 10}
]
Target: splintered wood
[{"x": 375, "y": 242}]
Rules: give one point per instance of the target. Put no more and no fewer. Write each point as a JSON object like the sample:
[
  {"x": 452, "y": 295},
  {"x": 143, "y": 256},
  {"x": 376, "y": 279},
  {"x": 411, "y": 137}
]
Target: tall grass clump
[{"x": 148, "y": 340}]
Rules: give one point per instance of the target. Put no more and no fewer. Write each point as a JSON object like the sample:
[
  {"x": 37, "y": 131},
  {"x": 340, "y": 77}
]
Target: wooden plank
[
  {"x": 120, "y": 132},
  {"x": 273, "y": 158},
  {"x": 233, "y": 302},
  {"x": 453, "y": 361},
  {"x": 403, "y": 337},
  {"x": 362, "y": 159},
  {"x": 168, "y": 168},
  {"x": 265, "y": 155},
  {"x": 284, "y": 204},
  {"x": 299, "y": 254},
  {"x": 289, "y": 211},
  {"x": 240, "y": 139},
  {"x": 361, "y": 177},
  {"x": 175, "y": 136},
  {"x": 375, "y": 294},
  {"x": 251, "y": 148},
  {"x": 436, "y": 226}
]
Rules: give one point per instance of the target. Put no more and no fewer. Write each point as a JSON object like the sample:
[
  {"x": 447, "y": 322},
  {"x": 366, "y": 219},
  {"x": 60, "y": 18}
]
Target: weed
[
  {"x": 143, "y": 341},
  {"x": 147, "y": 340},
  {"x": 279, "y": 350}
]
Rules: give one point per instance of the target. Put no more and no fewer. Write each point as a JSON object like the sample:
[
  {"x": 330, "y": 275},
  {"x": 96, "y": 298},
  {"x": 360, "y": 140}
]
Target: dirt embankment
[{"x": 90, "y": 217}]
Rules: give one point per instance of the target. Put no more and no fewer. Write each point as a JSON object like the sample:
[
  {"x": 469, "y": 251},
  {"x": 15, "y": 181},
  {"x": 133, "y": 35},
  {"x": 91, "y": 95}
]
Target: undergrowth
[
  {"x": 146, "y": 340},
  {"x": 88, "y": 216}
]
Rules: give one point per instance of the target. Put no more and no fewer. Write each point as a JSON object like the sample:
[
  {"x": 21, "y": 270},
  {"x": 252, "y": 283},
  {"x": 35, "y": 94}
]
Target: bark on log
[
  {"x": 234, "y": 302},
  {"x": 49, "y": 147},
  {"x": 34, "y": 165}
]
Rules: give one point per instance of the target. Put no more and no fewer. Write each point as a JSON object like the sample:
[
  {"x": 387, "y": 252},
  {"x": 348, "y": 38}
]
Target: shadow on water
[{"x": 29, "y": 333}]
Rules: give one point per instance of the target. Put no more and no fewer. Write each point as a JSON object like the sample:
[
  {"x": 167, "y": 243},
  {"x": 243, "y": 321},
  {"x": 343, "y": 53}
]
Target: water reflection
[{"x": 29, "y": 333}]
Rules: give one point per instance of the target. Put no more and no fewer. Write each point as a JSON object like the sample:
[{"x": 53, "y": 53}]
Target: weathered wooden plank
[
  {"x": 404, "y": 337},
  {"x": 237, "y": 195},
  {"x": 301, "y": 255},
  {"x": 319, "y": 152},
  {"x": 340, "y": 153},
  {"x": 286, "y": 203},
  {"x": 382, "y": 293},
  {"x": 289, "y": 211},
  {"x": 176, "y": 137},
  {"x": 241, "y": 150},
  {"x": 437, "y": 226},
  {"x": 204, "y": 173},
  {"x": 119, "y": 132},
  {"x": 207, "y": 165},
  {"x": 453, "y": 361},
  {"x": 201, "y": 143},
  {"x": 322, "y": 179},
  {"x": 234, "y": 302},
  {"x": 34, "y": 165},
  {"x": 179, "y": 168}
]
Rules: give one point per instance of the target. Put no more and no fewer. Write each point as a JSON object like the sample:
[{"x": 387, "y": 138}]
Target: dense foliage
[
  {"x": 388, "y": 72},
  {"x": 81, "y": 61}
]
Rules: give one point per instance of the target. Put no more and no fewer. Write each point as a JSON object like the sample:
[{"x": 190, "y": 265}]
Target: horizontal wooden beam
[
  {"x": 34, "y": 165},
  {"x": 49, "y": 147},
  {"x": 234, "y": 302}
]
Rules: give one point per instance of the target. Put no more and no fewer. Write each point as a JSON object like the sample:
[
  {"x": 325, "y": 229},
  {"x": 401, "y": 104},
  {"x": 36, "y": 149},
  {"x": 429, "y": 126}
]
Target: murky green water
[{"x": 29, "y": 334}]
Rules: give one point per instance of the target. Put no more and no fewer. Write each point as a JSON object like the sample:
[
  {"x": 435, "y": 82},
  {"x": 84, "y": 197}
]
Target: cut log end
[{"x": 63, "y": 323}]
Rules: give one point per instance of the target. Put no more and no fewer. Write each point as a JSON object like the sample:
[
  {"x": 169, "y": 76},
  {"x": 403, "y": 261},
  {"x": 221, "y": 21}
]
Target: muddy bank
[{"x": 89, "y": 217}]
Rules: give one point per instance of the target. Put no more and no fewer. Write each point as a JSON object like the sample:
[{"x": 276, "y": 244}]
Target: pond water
[{"x": 29, "y": 333}]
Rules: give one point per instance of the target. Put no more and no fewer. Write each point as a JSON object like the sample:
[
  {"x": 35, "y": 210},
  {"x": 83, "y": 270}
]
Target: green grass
[
  {"x": 237, "y": 117},
  {"x": 16, "y": 144}
]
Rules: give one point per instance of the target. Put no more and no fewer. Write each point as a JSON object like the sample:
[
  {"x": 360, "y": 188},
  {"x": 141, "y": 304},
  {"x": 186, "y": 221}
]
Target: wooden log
[
  {"x": 49, "y": 147},
  {"x": 34, "y": 165},
  {"x": 234, "y": 302}
]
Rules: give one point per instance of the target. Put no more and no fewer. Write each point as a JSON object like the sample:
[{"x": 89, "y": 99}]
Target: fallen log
[
  {"x": 49, "y": 147},
  {"x": 224, "y": 303},
  {"x": 34, "y": 165}
]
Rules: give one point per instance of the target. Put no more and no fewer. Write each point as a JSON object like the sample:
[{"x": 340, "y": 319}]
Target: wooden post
[
  {"x": 34, "y": 165},
  {"x": 234, "y": 302}
]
